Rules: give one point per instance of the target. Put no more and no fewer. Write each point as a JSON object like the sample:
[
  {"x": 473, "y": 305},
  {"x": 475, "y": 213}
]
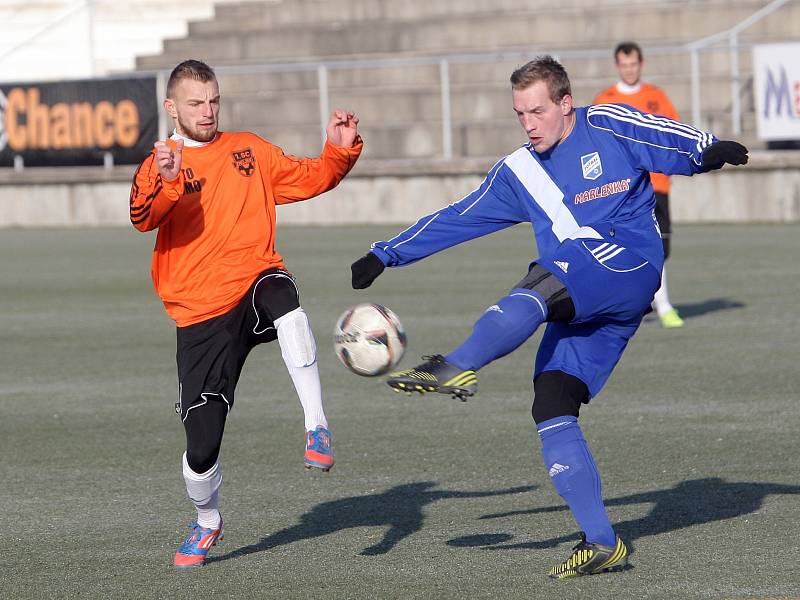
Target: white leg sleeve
[
  {"x": 203, "y": 490},
  {"x": 661, "y": 299},
  {"x": 299, "y": 352}
]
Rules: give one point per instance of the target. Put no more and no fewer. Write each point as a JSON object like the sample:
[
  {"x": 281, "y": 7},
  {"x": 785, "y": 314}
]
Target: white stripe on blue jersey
[
  {"x": 621, "y": 113},
  {"x": 544, "y": 192}
]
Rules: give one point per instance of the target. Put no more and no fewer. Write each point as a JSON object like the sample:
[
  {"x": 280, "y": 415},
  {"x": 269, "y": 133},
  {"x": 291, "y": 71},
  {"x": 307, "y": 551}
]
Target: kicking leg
[{"x": 505, "y": 326}]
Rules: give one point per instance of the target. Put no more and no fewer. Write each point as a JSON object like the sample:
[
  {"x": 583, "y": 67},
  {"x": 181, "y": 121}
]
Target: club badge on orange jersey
[{"x": 244, "y": 161}]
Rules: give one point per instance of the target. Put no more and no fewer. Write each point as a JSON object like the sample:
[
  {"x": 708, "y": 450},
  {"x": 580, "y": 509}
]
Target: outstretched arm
[
  {"x": 664, "y": 145},
  {"x": 490, "y": 207},
  {"x": 297, "y": 179}
]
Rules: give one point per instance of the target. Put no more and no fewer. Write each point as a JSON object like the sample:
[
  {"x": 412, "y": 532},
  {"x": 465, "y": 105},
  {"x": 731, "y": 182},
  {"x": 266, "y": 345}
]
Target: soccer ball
[{"x": 369, "y": 339}]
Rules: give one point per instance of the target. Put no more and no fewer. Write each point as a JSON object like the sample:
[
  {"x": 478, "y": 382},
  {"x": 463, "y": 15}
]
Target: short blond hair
[
  {"x": 189, "y": 69},
  {"x": 547, "y": 69}
]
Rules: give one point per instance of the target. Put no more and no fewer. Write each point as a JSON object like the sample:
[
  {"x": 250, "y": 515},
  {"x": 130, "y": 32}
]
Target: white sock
[
  {"x": 299, "y": 352},
  {"x": 203, "y": 490},
  {"x": 661, "y": 299}
]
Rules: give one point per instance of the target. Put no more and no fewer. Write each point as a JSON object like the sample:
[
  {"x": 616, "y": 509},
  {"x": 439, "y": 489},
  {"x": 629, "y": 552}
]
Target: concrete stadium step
[
  {"x": 660, "y": 70},
  {"x": 273, "y": 15},
  {"x": 593, "y": 27},
  {"x": 422, "y": 104}
]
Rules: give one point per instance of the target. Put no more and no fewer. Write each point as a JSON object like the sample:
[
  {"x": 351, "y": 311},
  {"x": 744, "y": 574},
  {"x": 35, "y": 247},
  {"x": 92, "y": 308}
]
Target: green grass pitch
[{"x": 695, "y": 434}]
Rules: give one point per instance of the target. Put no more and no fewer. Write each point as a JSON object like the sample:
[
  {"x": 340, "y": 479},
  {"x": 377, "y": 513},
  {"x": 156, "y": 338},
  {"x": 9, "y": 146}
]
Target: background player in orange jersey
[
  {"x": 633, "y": 91},
  {"x": 212, "y": 195}
]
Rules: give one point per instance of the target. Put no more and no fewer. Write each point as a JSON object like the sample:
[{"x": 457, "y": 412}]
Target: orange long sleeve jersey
[
  {"x": 216, "y": 220},
  {"x": 650, "y": 99}
]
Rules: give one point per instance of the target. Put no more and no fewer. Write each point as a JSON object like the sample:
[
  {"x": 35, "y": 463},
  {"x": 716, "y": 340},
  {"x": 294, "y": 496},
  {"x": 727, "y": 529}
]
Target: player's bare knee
[
  {"x": 557, "y": 394},
  {"x": 296, "y": 339},
  {"x": 559, "y": 304}
]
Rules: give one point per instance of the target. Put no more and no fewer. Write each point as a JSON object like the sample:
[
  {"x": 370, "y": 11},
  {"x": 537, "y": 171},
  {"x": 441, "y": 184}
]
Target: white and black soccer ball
[{"x": 369, "y": 339}]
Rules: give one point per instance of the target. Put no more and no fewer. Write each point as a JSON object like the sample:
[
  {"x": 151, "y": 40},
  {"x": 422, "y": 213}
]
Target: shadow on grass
[
  {"x": 689, "y": 503},
  {"x": 696, "y": 309},
  {"x": 399, "y": 509}
]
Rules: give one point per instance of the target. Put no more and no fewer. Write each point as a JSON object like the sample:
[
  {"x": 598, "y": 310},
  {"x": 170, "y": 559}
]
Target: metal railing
[
  {"x": 692, "y": 49},
  {"x": 729, "y": 39},
  {"x": 732, "y": 38}
]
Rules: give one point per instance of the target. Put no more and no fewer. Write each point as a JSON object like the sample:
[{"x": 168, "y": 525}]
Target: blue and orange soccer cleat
[
  {"x": 319, "y": 449},
  {"x": 194, "y": 549}
]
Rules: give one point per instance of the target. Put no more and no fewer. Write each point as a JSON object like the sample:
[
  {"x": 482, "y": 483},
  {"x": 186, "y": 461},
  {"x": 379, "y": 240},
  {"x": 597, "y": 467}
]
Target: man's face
[
  {"x": 545, "y": 122},
  {"x": 195, "y": 109},
  {"x": 629, "y": 67}
]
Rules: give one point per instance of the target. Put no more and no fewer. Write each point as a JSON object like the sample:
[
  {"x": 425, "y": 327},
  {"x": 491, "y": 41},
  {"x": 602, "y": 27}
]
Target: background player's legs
[
  {"x": 204, "y": 427},
  {"x": 567, "y": 458},
  {"x": 666, "y": 312},
  {"x": 513, "y": 319}
]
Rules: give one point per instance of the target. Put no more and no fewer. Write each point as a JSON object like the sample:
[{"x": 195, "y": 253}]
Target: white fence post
[
  {"x": 447, "y": 118},
  {"x": 695, "y": 57},
  {"x": 736, "y": 105},
  {"x": 324, "y": 100}
]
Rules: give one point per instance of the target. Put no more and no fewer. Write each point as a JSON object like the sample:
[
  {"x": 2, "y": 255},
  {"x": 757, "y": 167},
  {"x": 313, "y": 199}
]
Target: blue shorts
[{"x": 612, "y": 288}]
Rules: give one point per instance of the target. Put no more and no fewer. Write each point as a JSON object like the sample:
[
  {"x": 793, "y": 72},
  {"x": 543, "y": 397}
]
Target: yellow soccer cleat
[
  {"x": 435, "y": 375},
  {"x": 590, "y": 559},
  {"x": 671, "y": 319}
]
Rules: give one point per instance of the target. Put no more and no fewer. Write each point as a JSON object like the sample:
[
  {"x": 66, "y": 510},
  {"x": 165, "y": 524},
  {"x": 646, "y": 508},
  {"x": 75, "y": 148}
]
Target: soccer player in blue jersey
[{"x": 583, "y": 182}]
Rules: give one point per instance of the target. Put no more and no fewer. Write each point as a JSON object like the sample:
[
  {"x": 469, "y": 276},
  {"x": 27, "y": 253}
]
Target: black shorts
[
  {"x": 211, "y": 353},
  {"x": 662, "y": 215}
]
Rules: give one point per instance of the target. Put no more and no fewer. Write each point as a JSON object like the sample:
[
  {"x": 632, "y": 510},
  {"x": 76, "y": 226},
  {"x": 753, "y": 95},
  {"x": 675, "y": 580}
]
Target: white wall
[{"x": 72, "y": 39}]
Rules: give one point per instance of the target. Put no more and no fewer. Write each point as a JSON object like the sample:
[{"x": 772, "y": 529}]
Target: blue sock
[
  {"x": 503, "y": 328},
  {"x": 574, "y": 475}
]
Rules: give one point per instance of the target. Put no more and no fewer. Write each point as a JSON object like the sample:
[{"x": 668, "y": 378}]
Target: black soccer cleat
[
  {"x": 435, "y": 375},
  {"x": 590, "y": 559}
]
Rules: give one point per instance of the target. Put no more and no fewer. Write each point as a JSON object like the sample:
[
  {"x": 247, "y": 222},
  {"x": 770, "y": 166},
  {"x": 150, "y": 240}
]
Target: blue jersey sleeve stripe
[
  {"x": 638, "y": 121},
  {"x": 420, "y": 230},
  {"x": 619, "y": 135},
  {"x": 478, "y": 199},
  {"x": 645, "y": 118},
  {"x": 416, "y": 231}
]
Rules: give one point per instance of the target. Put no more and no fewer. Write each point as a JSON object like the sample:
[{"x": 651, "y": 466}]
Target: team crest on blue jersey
[{"x": 591, "y": 165}]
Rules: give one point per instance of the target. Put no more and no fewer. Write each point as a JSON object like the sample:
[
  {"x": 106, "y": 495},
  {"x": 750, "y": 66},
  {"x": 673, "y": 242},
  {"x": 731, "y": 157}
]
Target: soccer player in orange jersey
[
  {"x": 212, "y": 195},
  {"x": 646, "y": 97}
]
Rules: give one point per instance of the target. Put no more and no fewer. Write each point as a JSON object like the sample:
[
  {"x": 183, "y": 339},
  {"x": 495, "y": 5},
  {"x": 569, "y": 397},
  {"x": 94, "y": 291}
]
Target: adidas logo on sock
[
  {"x": 562, "y": 264},
  {"x": 556, "y": 469},
  {"x": 495, "y": 308}
]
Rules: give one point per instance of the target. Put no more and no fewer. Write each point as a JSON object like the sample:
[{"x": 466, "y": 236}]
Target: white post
[
  {"x": 695, "y": 56},
  {"x": 447, "y": 118},
  {"x": 161, "y": 94},
  {"x": 324, "y": 99},
  {"x": 90, "y": 40},
  {"x": 736, "y": 105}
]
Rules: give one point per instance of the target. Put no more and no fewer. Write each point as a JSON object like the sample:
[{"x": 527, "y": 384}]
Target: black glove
[
  {"x": 366, "y": 270},
  {"x": 726, "y": 151}
]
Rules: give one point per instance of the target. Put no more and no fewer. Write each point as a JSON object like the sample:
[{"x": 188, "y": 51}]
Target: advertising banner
[
  {"x": 776, "y": 87},
  {"x": 70, "y": 123}
]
